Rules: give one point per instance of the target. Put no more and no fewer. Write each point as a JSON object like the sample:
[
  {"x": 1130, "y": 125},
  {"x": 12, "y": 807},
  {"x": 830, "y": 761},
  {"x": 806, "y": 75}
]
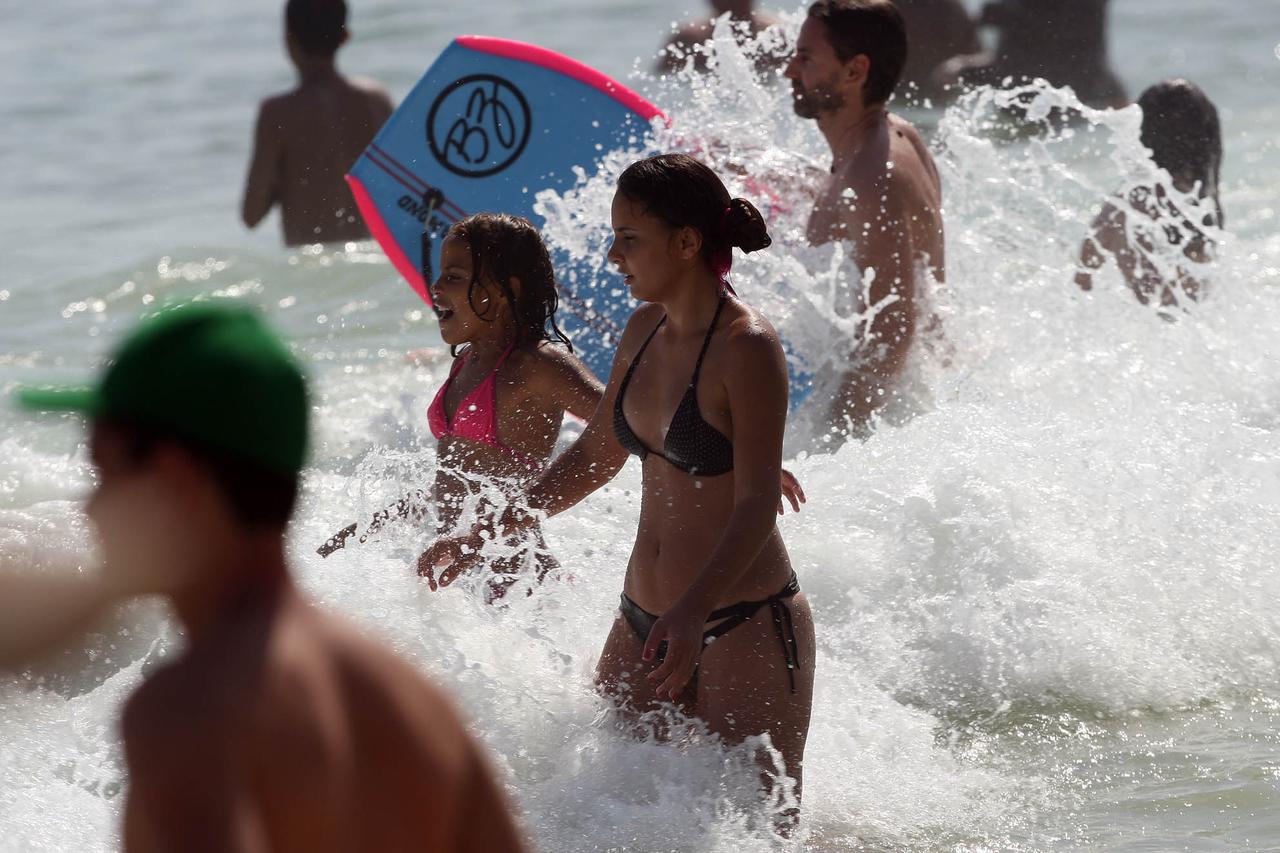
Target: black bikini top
[{"x": 692, "y": 445}]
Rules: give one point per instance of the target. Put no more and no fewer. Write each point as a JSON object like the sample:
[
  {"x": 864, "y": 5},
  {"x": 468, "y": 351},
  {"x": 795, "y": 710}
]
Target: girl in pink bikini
[
  {"x": 514, "y": 374},
  {"x": 498, "y": 415}
]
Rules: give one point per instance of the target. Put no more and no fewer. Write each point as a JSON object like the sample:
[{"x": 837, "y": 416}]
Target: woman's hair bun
[{"x": 744, "y": 227}]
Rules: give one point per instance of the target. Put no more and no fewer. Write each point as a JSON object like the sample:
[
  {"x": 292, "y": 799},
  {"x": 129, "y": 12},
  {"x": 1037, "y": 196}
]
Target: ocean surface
[{"x": 1046, "y": 603}]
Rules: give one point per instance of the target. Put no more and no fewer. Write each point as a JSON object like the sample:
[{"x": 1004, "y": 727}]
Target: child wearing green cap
[{"x": 277, "y": 727}]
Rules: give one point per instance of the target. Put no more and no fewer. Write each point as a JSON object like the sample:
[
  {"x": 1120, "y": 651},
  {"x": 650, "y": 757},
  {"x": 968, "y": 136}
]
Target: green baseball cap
[{"x": 209, "y": 372}]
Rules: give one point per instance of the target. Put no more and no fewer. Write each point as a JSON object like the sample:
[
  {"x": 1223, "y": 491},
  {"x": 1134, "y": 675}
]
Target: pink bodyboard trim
[
  {"x": 562, "y": 64},
  {"x": 378, "y": 228}
]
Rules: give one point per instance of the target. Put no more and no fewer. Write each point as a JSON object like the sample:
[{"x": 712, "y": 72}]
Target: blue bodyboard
[{"x": 492, "y": 123}]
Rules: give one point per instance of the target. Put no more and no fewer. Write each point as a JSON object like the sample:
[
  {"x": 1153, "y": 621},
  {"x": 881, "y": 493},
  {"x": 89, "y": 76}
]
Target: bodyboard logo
[{"x": 479, "y": 125}]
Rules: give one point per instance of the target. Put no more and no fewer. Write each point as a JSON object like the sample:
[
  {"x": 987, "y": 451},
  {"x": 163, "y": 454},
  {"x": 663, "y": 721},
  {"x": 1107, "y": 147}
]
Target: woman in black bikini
[{"x": 698, "y": 391}]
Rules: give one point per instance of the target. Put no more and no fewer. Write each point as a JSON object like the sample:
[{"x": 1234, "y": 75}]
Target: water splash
[{"x": 1044, "y": 603}]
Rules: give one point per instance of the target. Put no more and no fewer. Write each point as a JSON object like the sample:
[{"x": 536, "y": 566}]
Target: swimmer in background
[
  {"x": 937, "y": 30},
  {"x": 1161, "y": 248},
  {"x": 307, "y": 138},
  {"x": 883, "y": 197},
  {"x": 743, "y": 16},
  {"x": 1062, "y": 41},
  {"x": 277, "y": 726}
]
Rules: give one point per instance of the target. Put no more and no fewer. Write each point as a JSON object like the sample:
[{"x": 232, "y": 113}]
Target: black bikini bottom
[{"x": 642, "y": 622}]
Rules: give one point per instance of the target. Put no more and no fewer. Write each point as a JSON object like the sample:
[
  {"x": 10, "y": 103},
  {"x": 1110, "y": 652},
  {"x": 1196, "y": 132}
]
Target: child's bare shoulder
[{"x": 542, "y": 361}]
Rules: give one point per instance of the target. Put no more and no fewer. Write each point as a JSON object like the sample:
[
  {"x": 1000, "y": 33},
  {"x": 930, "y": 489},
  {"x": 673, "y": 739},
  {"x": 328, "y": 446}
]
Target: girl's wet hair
[
  {"x": 684, "y": 192},
  {"x": 1180, "y": 126},
  {"x": 503, "y": 247}
]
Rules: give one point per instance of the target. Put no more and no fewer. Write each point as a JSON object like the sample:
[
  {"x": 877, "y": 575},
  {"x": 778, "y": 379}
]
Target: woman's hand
[
  {"x": 681, "y": 627},
  {"x": 792, "y": 492},
  {"x": 452, "y": 555}
]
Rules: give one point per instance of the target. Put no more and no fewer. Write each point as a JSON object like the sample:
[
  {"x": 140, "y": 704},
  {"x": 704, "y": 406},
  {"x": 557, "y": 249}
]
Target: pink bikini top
[{"x": 476, "y": 418}]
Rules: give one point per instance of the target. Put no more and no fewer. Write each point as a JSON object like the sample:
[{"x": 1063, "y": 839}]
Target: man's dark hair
[
  {"x": 871, "y": 27},
  {"x": 258, "y": 497},
  {"x": 317, "y": 25}
]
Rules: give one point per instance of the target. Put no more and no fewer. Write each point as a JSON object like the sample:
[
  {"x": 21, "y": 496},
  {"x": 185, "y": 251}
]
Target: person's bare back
[
  {"x": 283, "y": 729},
  {"x": 307, "y": 138},
  {"x": 306, "y": 141}
]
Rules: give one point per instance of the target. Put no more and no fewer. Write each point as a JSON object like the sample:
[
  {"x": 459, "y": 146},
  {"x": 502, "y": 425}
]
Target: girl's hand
[
  {"x": 792, "y": 492},
  {"x": 452, "y": 555},
  {"x": 681, "y": 627}
]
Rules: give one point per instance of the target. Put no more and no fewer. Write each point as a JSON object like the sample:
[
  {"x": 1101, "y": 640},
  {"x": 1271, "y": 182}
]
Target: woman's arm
[
  {"x": 757, "y": 387},
  {"x": 596, "y": 457}
]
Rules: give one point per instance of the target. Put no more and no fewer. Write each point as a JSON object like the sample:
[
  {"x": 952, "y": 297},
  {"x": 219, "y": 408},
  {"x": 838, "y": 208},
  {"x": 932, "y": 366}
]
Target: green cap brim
[{"x": 84, "y": 400}]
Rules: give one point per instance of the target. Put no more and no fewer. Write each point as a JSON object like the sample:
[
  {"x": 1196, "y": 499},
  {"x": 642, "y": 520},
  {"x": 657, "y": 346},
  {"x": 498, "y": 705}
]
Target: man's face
[
  {"x": 816, "y": 73},
  {"x": 140, "y": 523}
]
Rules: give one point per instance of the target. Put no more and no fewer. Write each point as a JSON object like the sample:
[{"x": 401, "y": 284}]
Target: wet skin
[
  {"x": 306, "y": 140},
  {"x": 702, "y": 542},
  {"x": 883, "y": 198},
  {"x": 275, "y": 726}
]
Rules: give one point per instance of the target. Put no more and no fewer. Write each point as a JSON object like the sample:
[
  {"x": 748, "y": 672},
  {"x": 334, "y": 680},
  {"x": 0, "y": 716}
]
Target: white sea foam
[{"x": 1045, "y": 602}]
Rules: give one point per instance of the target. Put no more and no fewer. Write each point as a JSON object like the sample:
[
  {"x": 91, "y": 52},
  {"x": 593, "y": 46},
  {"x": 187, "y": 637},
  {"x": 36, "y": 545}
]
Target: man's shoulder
[
  {"x": 371, "y": 90},
  {"x": 176, "y": 708},
  {"x": 386, "y": 704},
  {"x": 314, "y": 684},
  {"x": 905, "y": 130},
  {"x": 361, "y": 668},
  {"x": 277, "y": 110},
  {"x": 281, "y": 101},
  {"x": 367, "y": 85}
]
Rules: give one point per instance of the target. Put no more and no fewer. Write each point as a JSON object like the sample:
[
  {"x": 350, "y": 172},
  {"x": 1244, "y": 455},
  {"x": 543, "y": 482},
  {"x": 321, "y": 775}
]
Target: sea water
[{"x": 1045, "y": 596}]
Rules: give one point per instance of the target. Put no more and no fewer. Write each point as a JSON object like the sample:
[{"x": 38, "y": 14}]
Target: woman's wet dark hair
[
  {"x": 503, "y": 247},
  {"x": 684, "y": 192},
  {"x": 1180, "y": 126}
]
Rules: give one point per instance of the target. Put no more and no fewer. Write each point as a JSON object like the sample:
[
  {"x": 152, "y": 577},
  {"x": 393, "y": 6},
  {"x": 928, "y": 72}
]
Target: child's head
[
  {"x": 1180, "y": 126},
  {"x": 315, "y": 28},
  {"x": 496, "y": 279}
]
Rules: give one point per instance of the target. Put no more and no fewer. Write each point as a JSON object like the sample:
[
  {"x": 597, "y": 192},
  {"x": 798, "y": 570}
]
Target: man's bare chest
[{"x": 834, "y": 207}]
